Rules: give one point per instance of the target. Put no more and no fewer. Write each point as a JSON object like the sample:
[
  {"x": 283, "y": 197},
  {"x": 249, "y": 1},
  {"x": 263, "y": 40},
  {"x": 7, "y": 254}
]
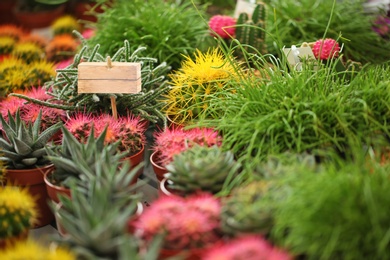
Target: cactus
[
  {"x": 61, "y": 47},
  {"x": 28, "y": 52},
  {"x": 197, "y": 84},
  {"x": 17, "y": 211},
  {"x": 250, "y": 32},
  {"x": 200, "y": 169},
  {"x": 6, "y": 44},
  {"x": 65, "y": 25}
]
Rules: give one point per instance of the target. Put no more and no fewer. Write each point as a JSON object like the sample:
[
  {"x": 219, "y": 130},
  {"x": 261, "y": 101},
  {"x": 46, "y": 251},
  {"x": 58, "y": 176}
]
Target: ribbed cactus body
[{"x": 250, "y": 31}]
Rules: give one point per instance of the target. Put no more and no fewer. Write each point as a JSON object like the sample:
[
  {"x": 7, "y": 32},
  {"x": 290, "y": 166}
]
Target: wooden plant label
[{"x": 110, "y": 77}]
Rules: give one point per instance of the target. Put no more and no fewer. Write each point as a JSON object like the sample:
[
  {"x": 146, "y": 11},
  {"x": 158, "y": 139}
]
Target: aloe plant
[{"x": 23, "y": 145}]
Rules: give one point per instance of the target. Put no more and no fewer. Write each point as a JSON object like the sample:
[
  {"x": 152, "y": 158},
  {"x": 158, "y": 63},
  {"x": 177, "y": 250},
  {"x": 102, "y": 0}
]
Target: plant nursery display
[
  {"x": 17, "y": 213},
  {"x": 260, "y": 132}
]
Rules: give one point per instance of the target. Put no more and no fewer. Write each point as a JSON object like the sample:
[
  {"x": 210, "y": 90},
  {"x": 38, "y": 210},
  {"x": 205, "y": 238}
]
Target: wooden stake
[{"x": 113, "y": 98}]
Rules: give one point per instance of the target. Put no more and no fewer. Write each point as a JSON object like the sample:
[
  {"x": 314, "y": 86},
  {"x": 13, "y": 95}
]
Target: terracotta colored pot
[
  {"x": 33, "y": 180},
  {"x": 10, "y": 241},
  {"x": 53, "y": 190},
  {"x": 6, "y": 15},
  {"x": 158, "y": 169},
  {"x": 41, "y": 19},
  {"x": 136, "y": 159}
]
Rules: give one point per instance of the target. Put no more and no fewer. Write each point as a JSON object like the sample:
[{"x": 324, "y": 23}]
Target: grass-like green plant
[
  {"x": 64, "y": 89},
  {"x": 306, "y": 111},
  {"x": 168, "y": 29},
  {"x": 339, "y": 213},
  {"x": 292, "y": 22}
]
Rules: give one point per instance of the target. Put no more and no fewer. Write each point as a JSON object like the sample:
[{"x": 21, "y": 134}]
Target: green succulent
[
  {"x": 201, "y": 168},
  {"x": 23, "y": 143},
  {"x": 72, "y": 158},
  {"x": 95, "y": 218}
]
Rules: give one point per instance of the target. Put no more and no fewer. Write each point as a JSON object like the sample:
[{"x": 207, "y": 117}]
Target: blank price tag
[
  {"x": 119, "y": 77},
  {"x": 296, "y": 54}
]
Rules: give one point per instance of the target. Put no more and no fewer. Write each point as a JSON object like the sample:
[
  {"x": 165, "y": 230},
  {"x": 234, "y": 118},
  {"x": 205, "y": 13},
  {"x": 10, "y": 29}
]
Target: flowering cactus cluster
[
  {"x": 326, "y": 49},
  {"x": 188, "y": 223},
  {"x": 129, "y": 130},
  {"x": 173, "y": 141}
]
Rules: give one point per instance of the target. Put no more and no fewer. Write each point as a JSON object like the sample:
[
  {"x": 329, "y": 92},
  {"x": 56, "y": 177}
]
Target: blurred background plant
[
  {"x": 291, "y": 22},
  {"x": 167, "y": 35}
]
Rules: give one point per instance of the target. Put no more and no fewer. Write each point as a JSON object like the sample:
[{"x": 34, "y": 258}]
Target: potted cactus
[
  {"x": 128, "y": 130},
  {"x": 173, "y": 141},
  {"x": 23, "y": 153},
  {"x": 17, "y": 214},
  {"x": 188, "y": 225},
  {"x": 200, "y": 169}
]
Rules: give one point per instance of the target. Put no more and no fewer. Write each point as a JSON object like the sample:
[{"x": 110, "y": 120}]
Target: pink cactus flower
[
  {"x": 249, "y": 247},
  {"x": 222, "y": 25},
  {"x": 326, "y": 49}
]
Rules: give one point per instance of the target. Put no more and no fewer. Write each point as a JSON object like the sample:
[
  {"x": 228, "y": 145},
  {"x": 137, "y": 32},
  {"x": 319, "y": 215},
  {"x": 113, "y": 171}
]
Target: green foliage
[
  {"x": 96, "y": 216},
  {"x": 250, "y": 32},
  {"x": 23, "y": 143},
  {"x": 293, "y": 22},
  {"x": 201, "y": 169},
  {"x": 167, "y": 30},
  {"x": 309, "y": 111},
  {"x": 340, "y": 213},
  {"x": 72, "y": 158},
  {"x": 64, "y": 89}
]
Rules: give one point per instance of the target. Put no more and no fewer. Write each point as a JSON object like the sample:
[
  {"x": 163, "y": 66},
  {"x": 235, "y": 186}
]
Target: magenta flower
[
  {"x": 222, "y": 25},
  {"x": 326, "y": 49}
]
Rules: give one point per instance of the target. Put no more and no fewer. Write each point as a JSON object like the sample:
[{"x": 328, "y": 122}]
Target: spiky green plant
[
  {"x": 95, "y": 218},
  {"x": 72, "y": 157},
  {"x": 201, "y": 169},
  {"x": 64, "y": 89},
  {"x": 23, "y": 143},
  {"x": 308, "y": 111},
  {"x": 167, "y": 35},
  {"x": 250, "y": 31},
  {"x": 339, "y": 213},
  {"x": 17, "y": 211},
  {"x": 197, "y": 84}
]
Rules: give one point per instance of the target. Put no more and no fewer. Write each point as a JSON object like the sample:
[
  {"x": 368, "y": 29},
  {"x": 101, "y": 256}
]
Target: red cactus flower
[
  {"x": 222, "y": 25},
  {"x": 326, "y": 49},
  {"x": 249, "y": 247},
  {"x": 11, "y": 104},
  {"x": 37, "y": 93},
  {"x": 49, "y": 117}
]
